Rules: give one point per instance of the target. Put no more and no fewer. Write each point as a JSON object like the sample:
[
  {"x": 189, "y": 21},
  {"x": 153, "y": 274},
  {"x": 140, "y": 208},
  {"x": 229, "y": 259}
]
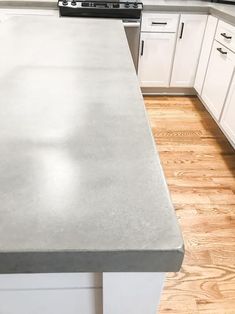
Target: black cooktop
[{"x": 98, "y": 8}]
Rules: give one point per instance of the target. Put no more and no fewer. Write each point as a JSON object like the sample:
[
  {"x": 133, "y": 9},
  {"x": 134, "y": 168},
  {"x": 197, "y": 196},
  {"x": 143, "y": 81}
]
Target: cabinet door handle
[
  {"x": 221, "y": 51},
  {"x": 142, "y": 48},
  {"x": 226, "y": 36},
  {"x": 159, "y": 23},
  {"x": 182, "y": 31}
]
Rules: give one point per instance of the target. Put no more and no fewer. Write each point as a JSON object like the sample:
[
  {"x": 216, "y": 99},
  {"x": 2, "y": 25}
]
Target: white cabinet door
[
  {"x": 188, "y": 47},
  {"x": 205, "y": 53},
  {"x": 228, "y": 117},
  {"x": 218, "y": 78},
  {"x": 156, "y": 57}
]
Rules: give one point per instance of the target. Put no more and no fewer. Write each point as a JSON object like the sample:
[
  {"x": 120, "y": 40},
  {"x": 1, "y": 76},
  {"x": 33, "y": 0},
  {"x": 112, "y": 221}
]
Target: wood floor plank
[{"x": 199, "y": 164}]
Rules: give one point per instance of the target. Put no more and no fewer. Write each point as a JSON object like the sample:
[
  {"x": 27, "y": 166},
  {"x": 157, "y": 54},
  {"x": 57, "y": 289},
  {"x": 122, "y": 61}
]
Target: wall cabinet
[
  {"x": 218, "y": 78},
  {"x": 228, "y": 116},
  {"x": 156, "y": 56},
  {"x": 188, "y": 47},
  {"x": 205, "y": 52}
]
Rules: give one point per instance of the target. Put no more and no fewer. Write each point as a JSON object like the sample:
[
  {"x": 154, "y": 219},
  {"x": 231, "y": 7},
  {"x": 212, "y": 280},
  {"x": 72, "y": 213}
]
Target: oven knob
[
  {"x": 116, "y": 5},
  {"x": 135, "y": 5},
  {"x": 65, "y": 2},
  {"x": 73, "y": 2},
  {"x": 85, "y": 4},
  {"x": 127, "y": 5}
]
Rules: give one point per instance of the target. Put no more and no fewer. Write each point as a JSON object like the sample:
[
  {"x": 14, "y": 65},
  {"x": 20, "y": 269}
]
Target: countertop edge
[{"x": 109, "y": 261}]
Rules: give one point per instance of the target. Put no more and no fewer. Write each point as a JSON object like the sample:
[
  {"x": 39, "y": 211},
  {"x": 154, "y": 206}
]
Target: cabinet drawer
[
  {"x": 226, "y": 35},
  {"x": 157, "y": 22}
]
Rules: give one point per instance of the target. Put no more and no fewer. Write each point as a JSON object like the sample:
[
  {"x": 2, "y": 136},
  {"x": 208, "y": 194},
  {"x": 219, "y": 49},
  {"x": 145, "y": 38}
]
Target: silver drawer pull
[
  {"x": 159, "y": 23},
  {"x": 226, "y": 36},
  {"x": 221, "y": 51}
]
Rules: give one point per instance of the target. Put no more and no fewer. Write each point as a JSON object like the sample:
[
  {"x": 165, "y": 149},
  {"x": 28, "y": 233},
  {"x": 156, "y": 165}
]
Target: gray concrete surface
[
  {"x": 81, "y": 185},
  {"x": 223, "y": 11}
]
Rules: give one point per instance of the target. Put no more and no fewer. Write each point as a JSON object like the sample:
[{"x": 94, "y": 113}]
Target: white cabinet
[
  {"x": 228, "y": 117},
  {"x": 218, "y": 78},
  {"x": 156, "y": 56},
  {"x": 205, "y": 53},
  {"x": 188, "y": 47},
  {"x": 157, "y": 46}
]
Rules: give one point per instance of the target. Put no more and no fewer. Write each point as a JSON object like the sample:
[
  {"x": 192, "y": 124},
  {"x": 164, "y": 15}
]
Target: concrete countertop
[
  {"x": 51, "y": 4},
  {"x": 81, "y": 185},
  {"x": 223, "y": 11}
]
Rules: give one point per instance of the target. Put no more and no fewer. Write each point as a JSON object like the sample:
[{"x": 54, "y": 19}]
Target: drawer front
[
  {"x": 226, "y": 35},
  {"x": 162, "y": 23}
]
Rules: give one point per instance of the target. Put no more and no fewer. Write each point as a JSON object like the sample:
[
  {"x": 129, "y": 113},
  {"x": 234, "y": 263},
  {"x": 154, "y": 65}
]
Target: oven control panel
[
  {"x": 98, "y": 8},
  {"x": 100, "y": 4}
]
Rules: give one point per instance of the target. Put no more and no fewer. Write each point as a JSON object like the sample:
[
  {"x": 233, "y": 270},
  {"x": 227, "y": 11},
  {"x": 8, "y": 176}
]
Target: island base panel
[
  {"x": 81, "y": 293},
  {"x": 132, "y": 293}
]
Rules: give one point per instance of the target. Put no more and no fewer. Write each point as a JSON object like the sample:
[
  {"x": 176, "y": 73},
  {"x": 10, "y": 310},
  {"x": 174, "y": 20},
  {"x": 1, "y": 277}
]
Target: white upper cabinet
[
  {"x": 188, "y": 47},
  {"x": 156, "y": 56},
  {"x": 218, "y": 78},
  {"x": 228, "y": 117},
  {"x": 205, "y": 52}
]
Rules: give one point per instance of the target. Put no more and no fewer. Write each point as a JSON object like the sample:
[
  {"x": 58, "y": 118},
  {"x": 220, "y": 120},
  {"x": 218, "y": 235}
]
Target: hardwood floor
[{"x": 199, "y": 165}]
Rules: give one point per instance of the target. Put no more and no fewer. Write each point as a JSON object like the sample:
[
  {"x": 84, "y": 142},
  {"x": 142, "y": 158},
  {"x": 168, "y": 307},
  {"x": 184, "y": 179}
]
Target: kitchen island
[{"x": 85, "y": 208}]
